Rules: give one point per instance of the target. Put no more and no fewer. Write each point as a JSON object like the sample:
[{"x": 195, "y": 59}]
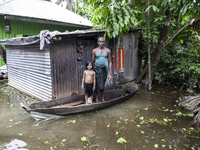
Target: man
[{"x": 101, "y": 57}]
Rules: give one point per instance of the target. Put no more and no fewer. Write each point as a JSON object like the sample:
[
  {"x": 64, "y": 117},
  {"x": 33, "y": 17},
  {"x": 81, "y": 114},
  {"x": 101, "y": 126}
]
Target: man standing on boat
[{"x": 101, "y": 57}]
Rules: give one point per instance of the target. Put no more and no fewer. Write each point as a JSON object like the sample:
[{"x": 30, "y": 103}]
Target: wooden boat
[{"x": 74, "y": 104}]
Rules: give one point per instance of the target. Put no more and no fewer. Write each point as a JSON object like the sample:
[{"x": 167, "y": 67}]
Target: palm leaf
[{"x": 192, "y": 103}]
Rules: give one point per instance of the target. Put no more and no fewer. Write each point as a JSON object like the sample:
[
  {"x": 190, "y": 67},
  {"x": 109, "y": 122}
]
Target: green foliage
[
  {"x": 115, "y": 16},
  {"x": 175, "y": 66},
  {"x": 83, "y": 139},
  {"x": 121, "y": 140},
  {"x": 180, "y": 63},
  {"x": 83, "y": 9},
  {"x": 156, "y": 145}
]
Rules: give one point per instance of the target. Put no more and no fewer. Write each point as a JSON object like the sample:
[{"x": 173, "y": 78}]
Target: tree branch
[{"x": 179, "y": 30}]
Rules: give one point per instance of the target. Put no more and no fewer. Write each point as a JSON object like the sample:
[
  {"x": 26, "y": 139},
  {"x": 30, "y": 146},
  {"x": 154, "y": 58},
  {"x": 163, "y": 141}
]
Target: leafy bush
[{"x": 180, "y": 63}]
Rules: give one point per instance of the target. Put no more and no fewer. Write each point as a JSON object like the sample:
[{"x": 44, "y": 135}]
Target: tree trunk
[
  {"x": 58, "y": 2},
  {"x": 142, "y": 74},
  {"x": 156, "y": 55},
  {"x": 69, "y": 5},
  {"x": 196, "y": 29}
]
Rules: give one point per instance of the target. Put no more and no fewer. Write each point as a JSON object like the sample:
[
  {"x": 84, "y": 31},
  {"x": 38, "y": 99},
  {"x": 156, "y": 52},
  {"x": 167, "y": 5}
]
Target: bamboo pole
[{"x": 149, "y": 52}]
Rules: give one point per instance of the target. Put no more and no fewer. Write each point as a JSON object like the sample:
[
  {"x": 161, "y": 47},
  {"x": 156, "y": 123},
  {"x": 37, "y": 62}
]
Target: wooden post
[{"x": 117, "y": 59}]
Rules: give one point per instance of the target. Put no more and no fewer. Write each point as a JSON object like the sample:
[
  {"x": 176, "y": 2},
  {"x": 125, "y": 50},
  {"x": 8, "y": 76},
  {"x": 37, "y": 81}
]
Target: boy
[{"x": 89, "y": 81}]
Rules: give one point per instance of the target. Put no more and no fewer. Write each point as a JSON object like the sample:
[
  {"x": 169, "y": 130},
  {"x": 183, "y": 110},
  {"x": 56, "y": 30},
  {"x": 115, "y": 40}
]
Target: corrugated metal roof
[
  {"x": 41, "y": 9},
  {"x": 36, "y": 39}
]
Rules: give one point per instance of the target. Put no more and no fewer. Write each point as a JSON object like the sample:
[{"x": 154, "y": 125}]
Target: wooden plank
[
  {"x": 61, "y": 70},
  {"x": 52, "y": 47},
  {"x": 69, "y": 104},
  {"x": 68, "y": 84}
]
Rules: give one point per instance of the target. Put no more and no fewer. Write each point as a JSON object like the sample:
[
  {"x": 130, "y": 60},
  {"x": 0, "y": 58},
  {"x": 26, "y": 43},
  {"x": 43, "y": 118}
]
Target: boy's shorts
[{"x": 88, "y": 89}]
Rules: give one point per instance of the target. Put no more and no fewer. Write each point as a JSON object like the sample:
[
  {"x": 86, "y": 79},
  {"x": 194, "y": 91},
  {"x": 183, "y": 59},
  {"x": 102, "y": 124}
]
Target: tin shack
[
  {"x": 51, "y": 65},
  {"x": 23, "y": 18}
]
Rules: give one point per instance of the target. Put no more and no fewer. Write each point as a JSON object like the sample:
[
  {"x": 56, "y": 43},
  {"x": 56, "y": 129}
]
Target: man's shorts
[{"x": 88, "y": 89}]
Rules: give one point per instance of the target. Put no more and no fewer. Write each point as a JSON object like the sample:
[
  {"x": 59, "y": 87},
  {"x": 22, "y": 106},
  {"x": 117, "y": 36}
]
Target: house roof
[
  {"x": 49, "y": 35},
  {"x": 42, "y": 11}
]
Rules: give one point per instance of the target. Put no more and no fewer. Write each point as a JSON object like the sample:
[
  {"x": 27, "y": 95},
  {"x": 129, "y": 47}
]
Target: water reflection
[
  {"x": 97, "y": 130},
  {"x": 43, "y": 118}
]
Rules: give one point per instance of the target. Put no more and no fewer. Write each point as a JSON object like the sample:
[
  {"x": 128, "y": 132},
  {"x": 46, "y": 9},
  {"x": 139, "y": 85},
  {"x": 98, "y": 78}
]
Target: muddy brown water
[{"x": 123, "y": 126}]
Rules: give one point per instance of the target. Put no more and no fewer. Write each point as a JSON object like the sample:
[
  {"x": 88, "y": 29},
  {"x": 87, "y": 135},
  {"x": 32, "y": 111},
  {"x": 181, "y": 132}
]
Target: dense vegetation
[{"x": 171, "y": 28}]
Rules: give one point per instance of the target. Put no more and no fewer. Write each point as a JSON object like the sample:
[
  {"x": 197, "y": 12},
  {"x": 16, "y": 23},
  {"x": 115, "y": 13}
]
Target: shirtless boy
[{"x": 89, "y": 82}]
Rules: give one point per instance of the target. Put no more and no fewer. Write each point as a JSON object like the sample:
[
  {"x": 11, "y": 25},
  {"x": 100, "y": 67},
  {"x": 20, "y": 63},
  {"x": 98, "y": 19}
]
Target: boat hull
[{"x": 62, "y": 111}]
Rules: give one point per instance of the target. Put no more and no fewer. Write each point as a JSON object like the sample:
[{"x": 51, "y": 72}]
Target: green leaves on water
[
  {"x": 83, "y": 139},
  {"x": 181, "y": 114},
  {"x": 163, "y": 146},
  {"x": 142, "y": 118},
  {"x": 165, "y": 119},
  {"x": 190, "y": 115},
  {"x": 18, "y": 122},
  {"x": 72, "y": 121},
  {"x": 156, "y": 145},
  {"x": 121, "y": 140}
]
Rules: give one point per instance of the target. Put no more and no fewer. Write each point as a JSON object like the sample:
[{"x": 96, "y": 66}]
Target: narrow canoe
[{"x": 74, "y": 104}]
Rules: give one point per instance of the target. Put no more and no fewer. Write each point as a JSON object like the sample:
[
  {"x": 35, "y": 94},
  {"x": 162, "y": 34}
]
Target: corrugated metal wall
[
  {"x": 29, "y": 70},
  {"x": 64, "y": 68}
]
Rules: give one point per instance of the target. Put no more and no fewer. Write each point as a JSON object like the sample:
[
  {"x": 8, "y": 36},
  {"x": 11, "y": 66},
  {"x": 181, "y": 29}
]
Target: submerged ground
[{"x": 148, "y": 120}]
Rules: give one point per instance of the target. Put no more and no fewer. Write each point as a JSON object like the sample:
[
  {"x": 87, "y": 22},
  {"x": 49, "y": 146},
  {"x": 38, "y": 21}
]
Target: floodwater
[{"x": 146, "y": 121}]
